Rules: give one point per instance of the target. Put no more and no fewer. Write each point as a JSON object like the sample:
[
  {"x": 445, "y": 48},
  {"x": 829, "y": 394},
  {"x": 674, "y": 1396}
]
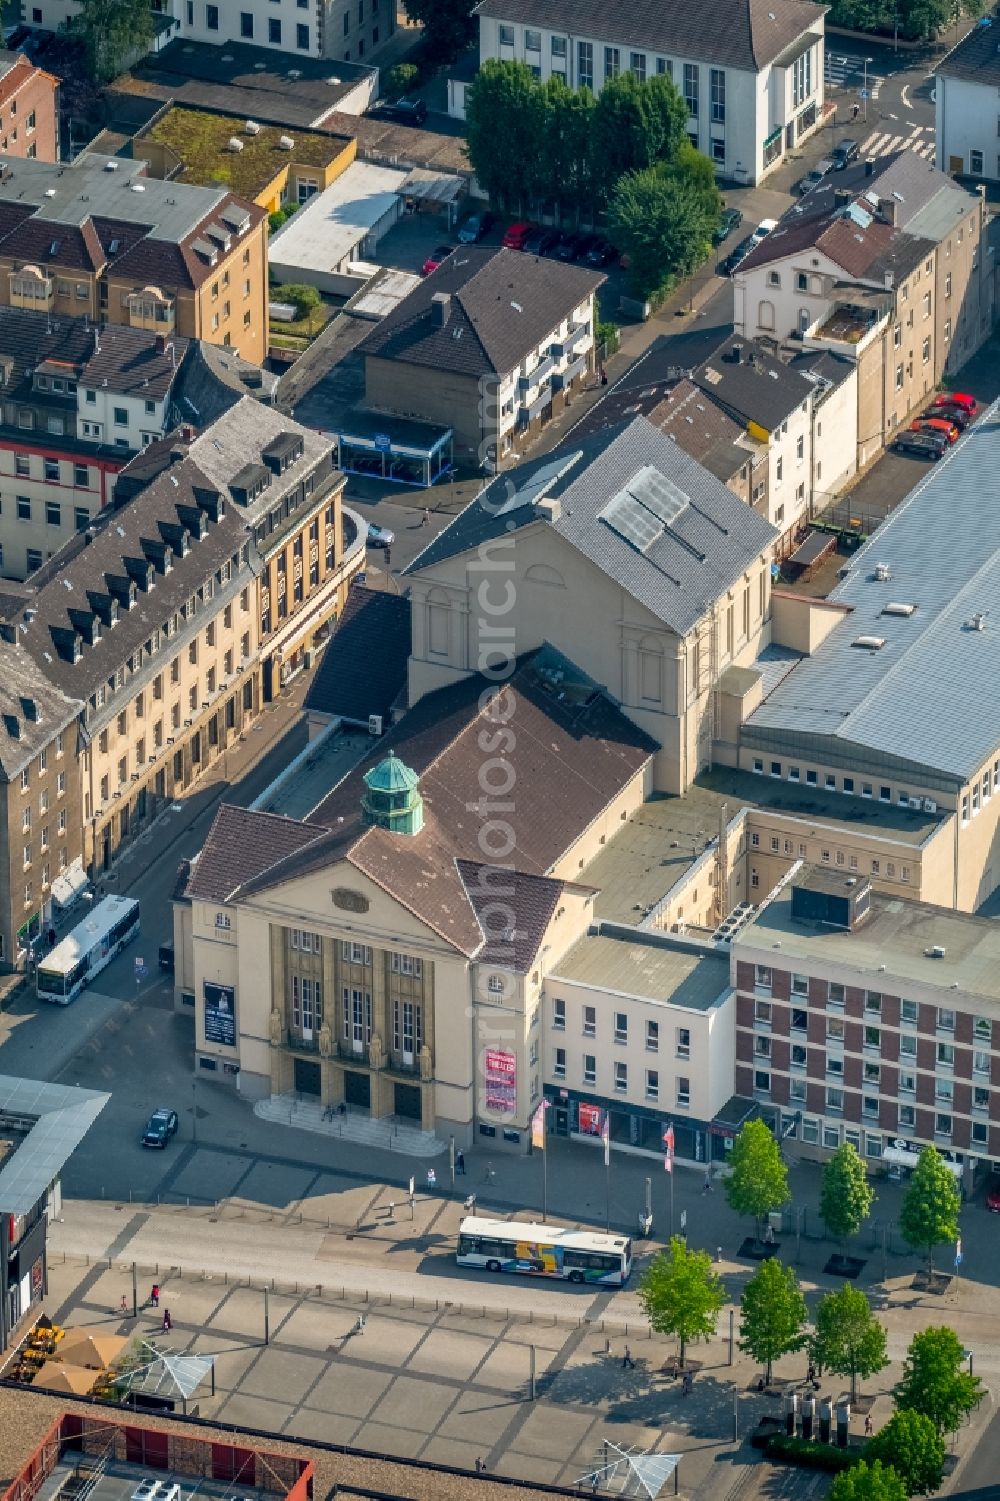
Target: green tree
[
  {"x": 663, "y": 226},
  {"x": 681, "y": 1294},
  {"x": 758, "y": 1182},
  {"x": 934, "y": 1381},
  {"x": 564, "y": 177},
  {"x": 401, "y": 78},
  {"x": 635, "y": 126},
  {"x": 846, "y": 1196},
  {"x": 448, "y": 26},
  {"x": 931, "y": 1205},
  {"x": 911, "y": 1444},
  {"x": 505, "y": 119},
  {"x": 114, "y": 33},
  {"x": 772, "y": 1314},
  {"x": 868, "y": 1482},
  {"x": 848, "y": 1338}
]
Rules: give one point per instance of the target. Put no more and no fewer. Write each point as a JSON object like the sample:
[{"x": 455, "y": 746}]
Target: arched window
[{"x": 765, "y": 315}]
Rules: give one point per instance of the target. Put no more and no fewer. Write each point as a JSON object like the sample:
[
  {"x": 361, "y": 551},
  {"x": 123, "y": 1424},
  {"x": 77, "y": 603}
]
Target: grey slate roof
[
  {"x": 709, "y": 545},
  {"x": 363, "y": 668},
  {"x": 122, "y": 359},
  {"x": 931, "y": 695},
  {"x": 63, "y": 1114},
  {"x": 32, "y": 711},
  {"x": 503, "y": 303},
  {"x": 754, "y": 387},
  {"x": 213, "y": 378},
  {"x": 741, "y": 34},
  {"x": 976, "y": 59}
]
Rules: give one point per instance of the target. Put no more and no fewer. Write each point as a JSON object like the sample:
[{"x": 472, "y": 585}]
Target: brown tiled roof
[
  {"x": 503, "y": 302},
  {"x": 569, "y": 761},
  {"x": 240, "y": 845},
  {"x": 66, "y": 246},
  {"x": 363, "y": 668},
  {"x": 531, "y": 899},
  {"x": 739, "y": 33},
  {"x": 16, "y": 77}
]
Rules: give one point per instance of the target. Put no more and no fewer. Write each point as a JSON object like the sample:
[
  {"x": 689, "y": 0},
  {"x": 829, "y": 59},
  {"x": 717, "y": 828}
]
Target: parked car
[
  {"x": 956, "y": 399},
  {"x": 958, "y": 415},
  {"x": 472, "y": 229},
  {"x": 162, "y": 1124},
  {"x": 166, "y": 958},
  {"x": 380, "y": 536},
  {"x": 403, "y": 111},
  {"x": 993, "y": 1194},
  {"x": 433, "y": 261},
  {"x": 736, "y": 257},
  {"x": 763, "y": 229},
  {"x": 572, "y": 245},
  {"x": 601, "y": 253},
  {"x": 844, "y": 153},
  {"x": 923, "y": 445},
  {"x": 731, "y": 219},
  {"x": 540, "y": 241},
  {"x": 516, "y": 235},
  {"x": 936, "y": 425},
  {"x": 815, "y": 177}
]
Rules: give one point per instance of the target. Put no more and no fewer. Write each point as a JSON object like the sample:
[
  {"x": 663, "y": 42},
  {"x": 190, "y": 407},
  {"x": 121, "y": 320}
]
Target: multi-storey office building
[
  {"x": 29, "y": 109},
  {"x": 870, "y": 1019}
]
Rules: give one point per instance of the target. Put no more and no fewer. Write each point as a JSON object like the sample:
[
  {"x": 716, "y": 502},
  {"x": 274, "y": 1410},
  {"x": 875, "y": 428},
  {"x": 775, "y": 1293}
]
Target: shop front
[{"x": 636, "y": 1128}]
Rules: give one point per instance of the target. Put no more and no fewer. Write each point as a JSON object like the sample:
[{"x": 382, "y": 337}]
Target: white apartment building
[
  {"x": 752, "y": 79},
  {"x": 967, "y": 105}
]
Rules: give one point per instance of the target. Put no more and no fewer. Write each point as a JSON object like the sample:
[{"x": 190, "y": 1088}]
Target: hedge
[{"x": 814, "y": 1456}]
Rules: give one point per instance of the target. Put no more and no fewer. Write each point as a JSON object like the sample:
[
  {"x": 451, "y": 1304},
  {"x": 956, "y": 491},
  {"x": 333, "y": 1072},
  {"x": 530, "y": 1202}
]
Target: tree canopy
[
  {"x": 919, "y": 20},
  {"x": 911, "y": 1444},
  {"x": 931, "y": 1205},
  {"x": 846, "y": 1196},
  {"x": 759, "y": 1179},
  {"x": 681, "y": 1293},
  {"x": 848, "y": 1338},
  {"x": 868, "y": 1482},
  {"x": 448, "y": 25},
  {"x": 934, "y": 1381},
  {"x": 772, "y": 1314},
  {"x": 114, "y": 33}
]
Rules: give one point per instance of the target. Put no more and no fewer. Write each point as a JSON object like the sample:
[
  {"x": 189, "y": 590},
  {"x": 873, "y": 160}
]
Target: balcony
[
  {"x": 300, "y": 1044},
  {"x": 31, "y": 288},
  {"x": 404, "y": 1063},
  {"x": 153, "y": 310},
  {"x": 352, "y": 1053}
]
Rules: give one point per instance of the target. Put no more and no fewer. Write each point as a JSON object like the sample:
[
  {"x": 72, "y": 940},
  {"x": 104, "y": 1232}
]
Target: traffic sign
[
  {"x": 684, "y": 1219},
  {"x": 864, "y": 93}
]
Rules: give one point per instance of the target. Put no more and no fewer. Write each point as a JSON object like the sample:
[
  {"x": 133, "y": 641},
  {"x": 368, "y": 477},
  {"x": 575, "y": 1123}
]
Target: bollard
[
  {"x": 791, "y": 1413},
  {"x": 825, "y": 1420},
  {"x": 808, "y": 1414},
  {"x": 843, "y": 1424}
]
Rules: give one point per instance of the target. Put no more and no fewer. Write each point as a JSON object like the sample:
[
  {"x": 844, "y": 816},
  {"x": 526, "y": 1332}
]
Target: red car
[
  {"x": 435, "y": 258},
  {"x": 956, "y": 399},
  {"x": 936, "y": 425},
  {"x": 993, "y": 1195},
  {"x": 516, "y": 235}
]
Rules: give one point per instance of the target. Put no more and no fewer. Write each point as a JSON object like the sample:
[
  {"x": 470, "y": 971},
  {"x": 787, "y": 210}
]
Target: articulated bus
[
  {"x": 85, "y": 951},
  {"x": 544, "y": 1251}
]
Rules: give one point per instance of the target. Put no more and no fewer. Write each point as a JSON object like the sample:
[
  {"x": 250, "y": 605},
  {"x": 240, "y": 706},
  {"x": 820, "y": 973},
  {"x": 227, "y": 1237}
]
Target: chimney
[
  {"x": 737, "y": 354},
  {"x": 178, "y": 452},
  {"x": 161, "y": 343},
  {"x": 870, "y": 167},
  {"x": 441, "y": 308},
  {"x": 887, "y": 209}
]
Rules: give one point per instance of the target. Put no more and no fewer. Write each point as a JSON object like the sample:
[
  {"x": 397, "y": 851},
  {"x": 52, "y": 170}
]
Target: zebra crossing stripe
[{"x": 881, "y": 143}]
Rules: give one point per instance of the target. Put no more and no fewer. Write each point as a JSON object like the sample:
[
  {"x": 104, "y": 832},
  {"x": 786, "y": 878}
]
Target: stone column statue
[
  {"x": 277, "y": 1028},
  {"x": 426, "y": 1066},
  {"x": 376, "y": 1052},
  {"x": 325, "y": 1041}
]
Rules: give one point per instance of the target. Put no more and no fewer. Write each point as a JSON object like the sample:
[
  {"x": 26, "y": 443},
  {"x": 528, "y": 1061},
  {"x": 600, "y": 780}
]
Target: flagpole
[
  {"x": 671, "y": 1199},
  {"x": 607, "y": 1194},
  {"x": 545, "y": 1177}
]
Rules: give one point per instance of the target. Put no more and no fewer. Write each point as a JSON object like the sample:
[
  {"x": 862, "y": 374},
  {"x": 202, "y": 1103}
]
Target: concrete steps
[{"x": 390, "y": 1134}]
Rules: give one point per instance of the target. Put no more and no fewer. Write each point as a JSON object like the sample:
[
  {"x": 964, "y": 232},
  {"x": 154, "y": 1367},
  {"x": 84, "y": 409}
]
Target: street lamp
[{"x": 864, "y": 88}]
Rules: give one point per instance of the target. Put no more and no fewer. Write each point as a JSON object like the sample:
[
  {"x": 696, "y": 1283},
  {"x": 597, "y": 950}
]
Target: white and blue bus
[
  {"x": 544, "y": 1251},
  {"x": 84, "y": 952}
]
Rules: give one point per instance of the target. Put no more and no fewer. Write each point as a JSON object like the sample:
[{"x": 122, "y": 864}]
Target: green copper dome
[{"x": 392, "y": 799}]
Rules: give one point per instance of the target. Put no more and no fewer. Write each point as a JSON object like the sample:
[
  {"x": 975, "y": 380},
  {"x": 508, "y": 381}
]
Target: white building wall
[
  {"x": 964, "y": 119},
  {"x": 768, "y": 299},
  {"x": 144, "y": 418},
  {"x": 835, "y": 440}
]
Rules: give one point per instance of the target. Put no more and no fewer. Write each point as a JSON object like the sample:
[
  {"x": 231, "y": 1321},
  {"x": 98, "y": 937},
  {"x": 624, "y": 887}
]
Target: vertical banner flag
[
  {"x": 606, "y": 1137},
  {"x": 668, "y": 1149},
  {"x": 538, "y": 1126}
]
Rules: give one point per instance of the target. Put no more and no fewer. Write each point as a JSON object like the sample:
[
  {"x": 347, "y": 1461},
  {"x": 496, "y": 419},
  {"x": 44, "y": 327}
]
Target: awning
[
  {"x": 908, "y": 1158},
  {"x": 426, "y": 186},
  {"x": 69, "y": 884}
]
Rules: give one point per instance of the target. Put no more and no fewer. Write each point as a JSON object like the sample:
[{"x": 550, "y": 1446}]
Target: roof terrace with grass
[{"x": 259, "y": 162}]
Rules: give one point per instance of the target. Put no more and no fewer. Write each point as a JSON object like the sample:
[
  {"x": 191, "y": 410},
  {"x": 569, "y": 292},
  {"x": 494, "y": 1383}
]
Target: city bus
[
  {"x": 544, "y": 1251},
  {"x": 84, "y": 952}
]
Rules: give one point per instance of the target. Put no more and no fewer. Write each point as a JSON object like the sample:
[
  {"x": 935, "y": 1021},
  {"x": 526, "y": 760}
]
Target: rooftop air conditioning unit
[
  {"x": 930, "y": 806},
  {"x": 374, "y": 724},
  {"x": 936, "y": 952},
  {"x": 915, "y": 802},
  {"x": 234, "y": 144},
  {"x": 252, "y": 128},
  {"x": 111, "y": 166},
  {"x": 286, "y": 143},
  {"x": 882, "y": 573}
]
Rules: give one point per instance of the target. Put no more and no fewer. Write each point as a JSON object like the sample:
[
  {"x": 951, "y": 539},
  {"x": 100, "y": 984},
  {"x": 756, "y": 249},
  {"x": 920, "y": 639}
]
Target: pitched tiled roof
[
  {"x": 503, "y": 303},
  {"x": 531, "y": 900},
  {"x": 751, "y": 384},
  {"x": 123, "y": 359},
  {"x": 571, "y": 756},
  {"x": 976, "y": 59},
  {"x": 363, "y": 669},
  {"x": 32, "y": 711},
  {"x": 745, "y": 34},
  {"x": 708, "y": 545},
  {"x": 239, "y": 845}
]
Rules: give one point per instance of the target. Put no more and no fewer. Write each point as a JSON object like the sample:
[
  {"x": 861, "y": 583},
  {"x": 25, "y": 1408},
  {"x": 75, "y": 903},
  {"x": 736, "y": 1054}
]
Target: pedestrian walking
[
  {"x": 604, "y": 376},
  {"x": 123, "y": 1308},
  {"x": 432, "y": 1178},
  {"x": 154, "y": 1296},
  {"x": 490, "y": 1173},
  {"x": 628, "y": 1364},
  {"x": 460, "y": 1163},
  {"x": 706, "y": 1187},
  {"x": 425, "y": 519},
  {"x": 167, "y": 1324},
  {"x": 869, "y": 1430},
  {"x": 359, "y": 1327},
  {"x": 855, "y": 111},
  {"x": 686, "y": 1384},
  {"x": 388, "y": 558},
  {"x": 769, "y": 1236},
  {"x": 392, "y": 1209}
]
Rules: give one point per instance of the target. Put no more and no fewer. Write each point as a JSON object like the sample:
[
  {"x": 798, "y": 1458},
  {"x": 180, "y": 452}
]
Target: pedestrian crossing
[
  {"x": 849, "y": 73},
  {"x": 884, "y": 143}
]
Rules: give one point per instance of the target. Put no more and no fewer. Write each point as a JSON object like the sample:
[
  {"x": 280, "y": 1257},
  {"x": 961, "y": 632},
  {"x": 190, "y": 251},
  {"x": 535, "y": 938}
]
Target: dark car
[
  {"x": 959, "y": 417},
  {"x": 403, "y": 111},
  {"x": 923, "y": 445},
  {"x": 601, "y": 253},
  {"x": 815, "y": 177},
  {"x": 162, "y": 1124},
  {"x": 540, "y": 241},
  {"x": 572, "y": 245},
  {"x": 166, "y": 958},
  {"x": 993, "y": 1194},
  {"x": 433, "y": 261},
  {"x": 472, "y": 230},
  {"x": 731, "y": 219},
  {"x": 844, "y": 153},
  {"x": 736, "y": 257}
]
